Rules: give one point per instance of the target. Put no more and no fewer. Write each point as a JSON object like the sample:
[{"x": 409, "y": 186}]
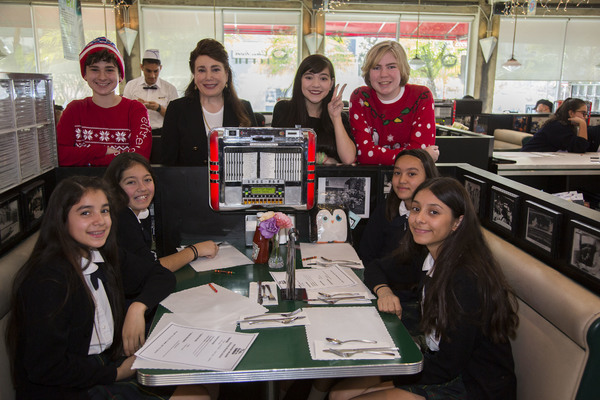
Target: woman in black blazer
[{"x": 210, "y": 101}]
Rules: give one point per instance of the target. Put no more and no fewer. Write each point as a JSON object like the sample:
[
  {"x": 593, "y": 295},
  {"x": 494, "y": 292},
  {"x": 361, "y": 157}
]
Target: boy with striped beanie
[{"x": 94, "y": 130}]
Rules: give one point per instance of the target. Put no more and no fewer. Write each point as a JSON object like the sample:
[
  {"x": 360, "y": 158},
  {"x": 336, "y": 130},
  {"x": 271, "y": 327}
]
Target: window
[
  {"x": 263, "y": 52},
  {"x": 18, "y": 42},
  {"x": 443, "y": 44}
]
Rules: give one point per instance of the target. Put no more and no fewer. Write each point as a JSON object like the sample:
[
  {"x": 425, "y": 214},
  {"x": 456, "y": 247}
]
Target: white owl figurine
[{"x": 332, "y": 228}]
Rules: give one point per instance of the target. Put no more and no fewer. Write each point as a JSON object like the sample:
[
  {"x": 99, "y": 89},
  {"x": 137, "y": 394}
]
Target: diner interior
[{"x": 506, "y": 55}]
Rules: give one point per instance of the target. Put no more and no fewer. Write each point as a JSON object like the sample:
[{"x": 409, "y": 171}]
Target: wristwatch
[{"x": 158, "y": 109}]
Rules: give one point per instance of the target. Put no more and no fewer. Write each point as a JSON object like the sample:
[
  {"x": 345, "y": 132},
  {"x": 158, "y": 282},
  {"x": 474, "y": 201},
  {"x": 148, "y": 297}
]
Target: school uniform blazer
[
  {"x": 52, "y": 360},
  {"x": 184, "y": 138}
]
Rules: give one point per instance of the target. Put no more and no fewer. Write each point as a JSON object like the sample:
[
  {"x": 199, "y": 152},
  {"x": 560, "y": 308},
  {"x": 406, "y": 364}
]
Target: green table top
[{"x": 281, "y": 353}]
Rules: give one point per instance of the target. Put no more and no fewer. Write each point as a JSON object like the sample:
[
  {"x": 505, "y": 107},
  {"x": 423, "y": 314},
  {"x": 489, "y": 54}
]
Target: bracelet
[
  {"x": 194, "y": 250},
  {"x": 382, "y": 286},
  {"x": 158, "y": 109}
]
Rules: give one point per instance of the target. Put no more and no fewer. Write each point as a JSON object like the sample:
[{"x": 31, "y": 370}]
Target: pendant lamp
[
  {"x": 417, "y": 62},
  {"x": 512, "y": 64}
]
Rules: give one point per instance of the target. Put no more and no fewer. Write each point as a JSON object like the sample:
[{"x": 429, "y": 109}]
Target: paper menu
[
  {"x": 318, "y": 278},
  {"x": 197, "y": 347}
]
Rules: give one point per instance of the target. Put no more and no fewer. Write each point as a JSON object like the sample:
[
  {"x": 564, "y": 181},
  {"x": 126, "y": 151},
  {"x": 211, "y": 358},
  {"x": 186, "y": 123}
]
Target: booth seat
[
  {"x": 507, "y": 139},
  {"x": 10, "y": 263},
  {"x": 557, "y": 348}
]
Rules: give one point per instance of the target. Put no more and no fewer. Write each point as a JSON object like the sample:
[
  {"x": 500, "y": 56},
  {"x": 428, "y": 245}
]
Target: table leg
[{"x": 272, "y": 390}]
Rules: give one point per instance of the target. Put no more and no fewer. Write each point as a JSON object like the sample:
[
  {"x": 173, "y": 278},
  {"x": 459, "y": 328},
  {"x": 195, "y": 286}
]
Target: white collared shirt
[
  {"x": 402, "y": 210},
  {"x": 163, "y": 95},
  {"x": 432, "y": 342},
  {"x": 104, "y": 326}
]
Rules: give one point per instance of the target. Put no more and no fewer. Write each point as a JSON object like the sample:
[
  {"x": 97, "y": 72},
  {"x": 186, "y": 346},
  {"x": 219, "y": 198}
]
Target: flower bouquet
[{"x": 270, "y": 225}]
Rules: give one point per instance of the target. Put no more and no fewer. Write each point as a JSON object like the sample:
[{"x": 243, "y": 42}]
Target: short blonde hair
[{"x": 378, "y": 51}]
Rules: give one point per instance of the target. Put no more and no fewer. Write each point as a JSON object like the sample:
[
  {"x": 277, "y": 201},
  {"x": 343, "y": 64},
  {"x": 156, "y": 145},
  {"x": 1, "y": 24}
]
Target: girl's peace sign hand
[{"x": 336, "y": 105}]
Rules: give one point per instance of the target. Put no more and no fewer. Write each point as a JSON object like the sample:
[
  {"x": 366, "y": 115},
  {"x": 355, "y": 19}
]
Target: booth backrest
[
  {"x": 556, "y": 349},
  {"x": 9, "y": 265},
  {"x": 508, "y": 139}
]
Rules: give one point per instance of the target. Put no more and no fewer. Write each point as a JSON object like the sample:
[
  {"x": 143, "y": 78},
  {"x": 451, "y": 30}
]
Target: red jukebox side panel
[{"x": 213, "y": 169}]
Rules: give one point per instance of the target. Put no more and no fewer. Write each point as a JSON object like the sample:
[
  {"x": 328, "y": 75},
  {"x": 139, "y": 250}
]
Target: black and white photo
[
  {"x": 476, "y": 189},
  {"x": 10, "y": 219},
  {"x": 585, "y": 248},
  {"x": 503, "y": 211},
  {"x": 542, "y": 227},
  {"x": 353, "y": 192},
  {"x": 33, "y": 203}
]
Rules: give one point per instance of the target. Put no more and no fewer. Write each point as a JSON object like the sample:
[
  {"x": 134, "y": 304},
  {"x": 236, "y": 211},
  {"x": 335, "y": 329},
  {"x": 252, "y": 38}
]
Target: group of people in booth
[{"x": 81, "y": 304}]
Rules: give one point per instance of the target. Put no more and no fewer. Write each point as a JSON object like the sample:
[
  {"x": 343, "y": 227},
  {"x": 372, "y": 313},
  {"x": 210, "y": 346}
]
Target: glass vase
[{"x": 275, "y": 259}]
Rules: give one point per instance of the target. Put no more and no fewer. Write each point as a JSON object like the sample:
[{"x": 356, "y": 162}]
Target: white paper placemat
[
  {"x": 312, "y": 253},
  {"x": 346, "y": 323}
]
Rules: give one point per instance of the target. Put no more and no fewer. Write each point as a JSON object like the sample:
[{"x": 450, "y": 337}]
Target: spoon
[
  {"x": 280, "y": 320},
  {"x": 350, "y": 353},
  {"x": 338, "y": 341},
  {"x": 286, "y": 314},
  {"x": 328, "y": 295},
  {"x": 333, "y": 300},
  {"x": 340, "y": 261}
]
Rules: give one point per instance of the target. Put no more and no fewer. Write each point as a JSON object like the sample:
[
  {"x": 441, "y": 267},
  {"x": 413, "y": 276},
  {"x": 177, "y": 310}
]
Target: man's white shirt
[{"x": 163, "y": 94}]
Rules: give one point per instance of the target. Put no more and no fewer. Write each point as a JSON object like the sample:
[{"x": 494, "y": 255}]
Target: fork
[
  {"x": 334, "y": 300},
  {"x": 350, "y": 353},
  {"x": 340, "y": 261},
  {"x": 268, "y": 287},
  {"x": 328, "y": 295},
  {"x": 283, "y": 315},
  {"x": 284, "y": 321}
]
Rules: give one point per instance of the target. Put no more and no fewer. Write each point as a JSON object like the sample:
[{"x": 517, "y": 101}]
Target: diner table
[{"x": 280, "y": 353}]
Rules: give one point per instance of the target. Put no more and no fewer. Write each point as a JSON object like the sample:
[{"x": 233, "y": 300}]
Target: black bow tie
[
  {"x": 97, "y": 275},
  {"x": 153, "y": 87}
]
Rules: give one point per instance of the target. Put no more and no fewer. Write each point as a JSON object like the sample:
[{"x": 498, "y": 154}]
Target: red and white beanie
[{"x": 98, "y": 44}]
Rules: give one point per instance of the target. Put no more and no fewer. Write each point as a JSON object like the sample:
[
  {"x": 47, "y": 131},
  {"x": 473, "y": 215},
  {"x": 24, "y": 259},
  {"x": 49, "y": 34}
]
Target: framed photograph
[
  {"x": 476, "y": 189},
  {"x": 585, "y": 248},
  {"x": 542, "y": 227},
  {"x": 34, "y": 204},
  {"x": 353, "y": 192},
  {"x": 386, "y": 186},
  {"x": 503, "y": 209},
  {"x": 10, "y": 219}
]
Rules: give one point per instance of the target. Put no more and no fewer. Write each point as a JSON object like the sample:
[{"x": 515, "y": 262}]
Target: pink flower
[{"x": 283, "y": 221}]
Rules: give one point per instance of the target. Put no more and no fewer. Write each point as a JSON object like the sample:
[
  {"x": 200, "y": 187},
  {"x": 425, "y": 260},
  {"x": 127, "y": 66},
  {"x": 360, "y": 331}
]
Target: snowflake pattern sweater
[{"x": 85, "y": 130}]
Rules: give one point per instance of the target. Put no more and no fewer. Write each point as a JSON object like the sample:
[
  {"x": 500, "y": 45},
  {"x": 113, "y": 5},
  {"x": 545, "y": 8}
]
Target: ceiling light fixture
[
  {"x": 417, "y": 62},
  {"x": 512, "y": 64}
]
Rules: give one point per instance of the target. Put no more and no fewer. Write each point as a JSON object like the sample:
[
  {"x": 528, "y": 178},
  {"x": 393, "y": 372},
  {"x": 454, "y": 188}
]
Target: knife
[{"x": 260, "y": 295}]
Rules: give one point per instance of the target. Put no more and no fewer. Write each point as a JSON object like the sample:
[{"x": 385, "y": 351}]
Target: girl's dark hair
[
  {"x": 464, "y": 249},
  {"x": 55, "y": 243},
  {"x": 562, "y": 113},
  {"x": 114, "y": 174},
  {"x": 298, "y": 115},
  {"x": 216, "y": 51},
  {"x": 392, "y": 202}
]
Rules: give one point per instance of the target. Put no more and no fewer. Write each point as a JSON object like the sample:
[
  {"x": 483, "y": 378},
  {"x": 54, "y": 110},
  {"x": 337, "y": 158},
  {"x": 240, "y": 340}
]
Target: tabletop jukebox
[{"x": 261, "y": 168}]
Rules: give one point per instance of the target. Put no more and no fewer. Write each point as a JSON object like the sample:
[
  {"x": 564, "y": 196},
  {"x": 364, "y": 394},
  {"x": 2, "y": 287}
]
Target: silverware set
[
  {"x": 326, "y": 262},
  {"x": 263, "y": 288},
  {"x": 334, "y": 298},
  {"x": 282, "y": 318},
  {"x": 386, "y": 351}
]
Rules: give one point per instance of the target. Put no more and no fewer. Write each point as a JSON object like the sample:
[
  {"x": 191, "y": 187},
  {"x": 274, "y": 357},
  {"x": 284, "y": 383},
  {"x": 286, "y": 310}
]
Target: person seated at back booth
[
  {"x": 565, "y": 130},
  {"x": 543, "y": 106},
  {"x": 210, "y": 101}
]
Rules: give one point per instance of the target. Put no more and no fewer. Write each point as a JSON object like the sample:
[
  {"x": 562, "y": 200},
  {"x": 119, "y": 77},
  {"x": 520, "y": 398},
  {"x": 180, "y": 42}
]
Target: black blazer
[{"x": 184, "y": 140}]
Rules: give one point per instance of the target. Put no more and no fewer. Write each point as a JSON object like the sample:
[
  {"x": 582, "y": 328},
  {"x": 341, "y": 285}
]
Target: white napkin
[
  {"x": 253, "y": 293},
  {"x": 312, "y": 253},
  {"x": 274, "y": 324}
]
